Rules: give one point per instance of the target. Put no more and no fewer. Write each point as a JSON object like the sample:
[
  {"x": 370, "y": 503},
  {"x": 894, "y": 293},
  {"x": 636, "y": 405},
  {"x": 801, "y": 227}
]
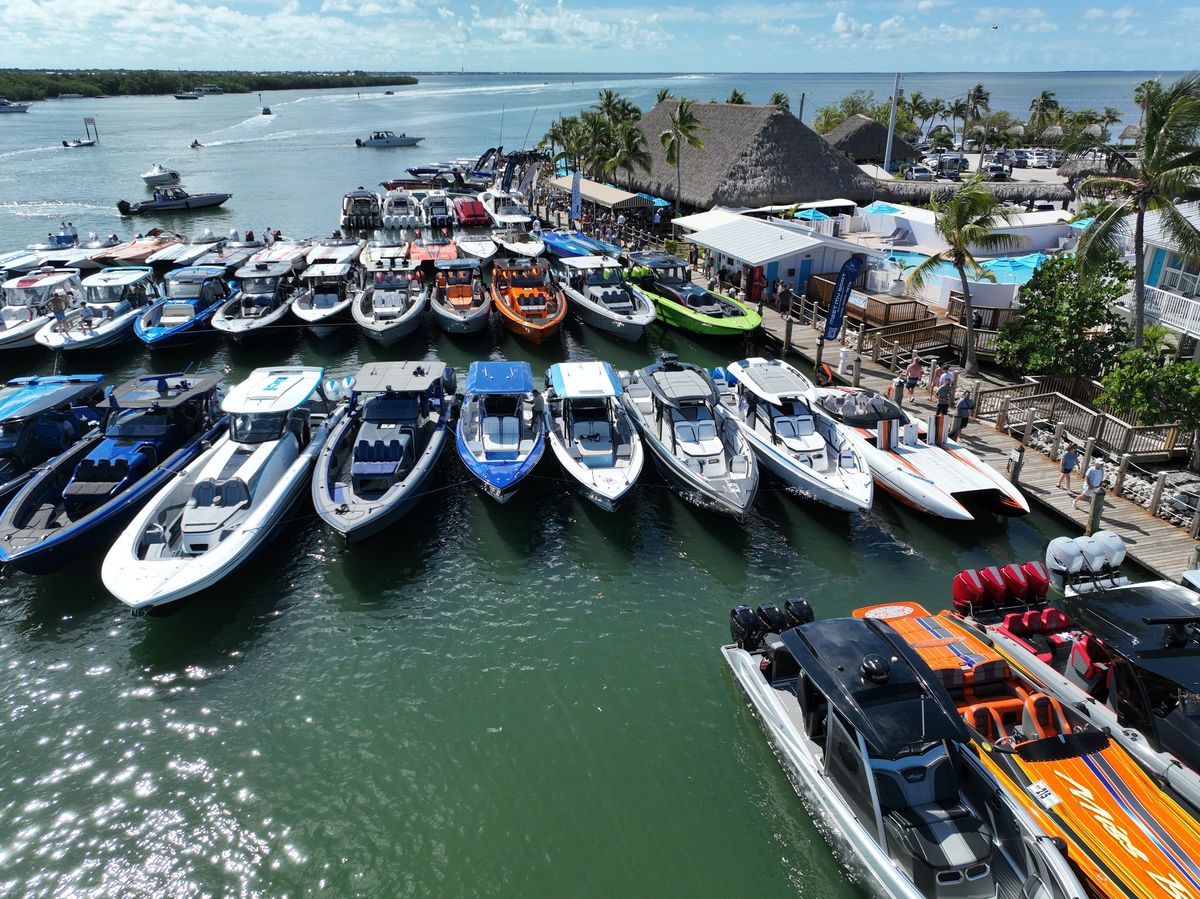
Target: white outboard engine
[
  {"x": 1064, "y": 560},
  {"x": 1095, "y": 558},
  {"x": 1114, "y": 552}
]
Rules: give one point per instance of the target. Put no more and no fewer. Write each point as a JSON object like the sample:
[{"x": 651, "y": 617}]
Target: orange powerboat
[
  {"x": 528, "y": 307},
  {"x": 1124, "y": 835},
  {"x": 141, "y": 248}
]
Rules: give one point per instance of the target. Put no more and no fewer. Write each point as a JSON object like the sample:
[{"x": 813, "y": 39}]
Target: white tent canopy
[{"x": 602, "y": 194}]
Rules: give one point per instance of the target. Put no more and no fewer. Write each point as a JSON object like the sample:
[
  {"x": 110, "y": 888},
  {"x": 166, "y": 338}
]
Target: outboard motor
[
  {"x": 994, "y": 588},
  {"x": 1039, "y": 580},
  {"x": 966, "y": 591},
  {"x": 1016, "y": 582},
  {"x": 1114, "y": 550},
  {"x": 744, "y": 628},
  {"x": 1064, "y": 560},
  {"x": 771, "y": 619},
  {"x": 797, "y": 611},
  {"x": 1095, "y": 559}
]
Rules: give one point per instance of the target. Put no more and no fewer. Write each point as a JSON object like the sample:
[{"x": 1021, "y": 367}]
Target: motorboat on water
[
  {"x": 172, "y": 199},
  {"x": 518, "y": 241},
  {"x": 232, "y": 254},
  {"x": 879, "y": 754},
  {"x": 84, "y": 255},
  {"x": 1122, "y": 654},
  {"x": 157, "y": 176},
  {"x": 528, "y": 307},
  {"x": 1068, "y": 774},
  {"x": 40, "y": 418},
  {"x": 231, "y": 499},
  {"x": 383, "y": 252},
  {"x": 155, "y": 425},
  {"x": 437, "y": 212},
  {"x": 26, "y": 308},
  {"x": 140, "y": 248},
  {"x": 184, "y": 316},
  {"x": 460, "y": 302},
  {"x": 917, "y": 463},
  {"x": 501, "y": 432},
  {"x": 564, "y": 244},
  {"x": 187, "y": 95},
  {"x": 267, "y": 285},
  {"x": 7, "y": 105},
  {"x": 470, "y": 213},
  {"x": 693, "y": 436},
  {"x": 667, "y": 280},
  {"x": 387, "y": 139},
  {"x": 331, "y": 281},
  {"x": 591, "y": 434},
  {"x": 480, "y": 247},
  {"x": 806, "y": 449},
  {"x": 504, "y": 209},
  {"x": 112, "y": 301},
  {"x": 378, "y": 460},
  {"x": 400, "y": 210},
  {"x": 392, "y": 304},
  {"x": 362, "y": 210},
  {"x": 432, "y": 249},
  {"x": 186, "y": 252},
  {"x": 595, "y": 290}
]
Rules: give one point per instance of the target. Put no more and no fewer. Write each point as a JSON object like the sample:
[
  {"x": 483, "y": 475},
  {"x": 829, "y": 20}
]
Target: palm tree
[
  {"x": 979, "y": 102},
  {"x": 780, "y": 99},
  {"x": 597, "y": 140},
  {"x": 967, "y": 220},
  {"x": 1142, "y": 93},
  {"x": 1042, "y": 111},
  {"x": 625, "y": 111},
  {"x": 608, "y": 104},
  {"x": 1111, "y": 116},
  {"x": 630, "y": 151},
  {"x": 934, "y": 109},
  {"x": 553, "y": 138},
  {"x": 684, "y": 128},
  {"x": 664, "y": 93},
  {"x": 916, "y": 105},
  {"x": 1166, "y": 165},
  {"x": 736, "y": 97},
  {"x": 957, "y": 112}
]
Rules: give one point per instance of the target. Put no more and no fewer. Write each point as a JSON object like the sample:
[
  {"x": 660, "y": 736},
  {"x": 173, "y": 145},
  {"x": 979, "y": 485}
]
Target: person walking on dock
[
  {"x": 962, "y": 413},
  {"x": 943, "y": 397},
  {"x": 1092, "y": 481},
  {"x": 935, "y": 376},
  {"x": 1066, "y": 465},
  {"x": 912, "y": 375}
]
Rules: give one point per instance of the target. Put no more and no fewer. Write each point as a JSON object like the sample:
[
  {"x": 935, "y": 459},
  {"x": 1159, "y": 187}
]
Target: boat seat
[
  {"x": 460, "y": 296},
  {"x": 614, "y": 299},
  {"x": 380, "y": 459},
  {"x": 592, "y": 437},
  {"x": 387, "y": 305},
  {"x": 739, "y": 466},
  {"x": 529, "y": 299},
  {"x": 501, "y": 434},
  {"x": 847, "y": 461},
  {"x": 1088, "y": 666},
  {"x": 176, "y": 314},
  {"x": 1043, "y": 718},
  {"x": 986, "y": 721},
  {"x": 989, "y": 678},
  {"x": 16, "y": 315},
  {"x": 325, "y": 300},
  {"x": 953, "y": 679},
  {"x": 624, "y": 450},
  {"x": 1043, "y": 632},
  {"x": 211, "y": 508}
]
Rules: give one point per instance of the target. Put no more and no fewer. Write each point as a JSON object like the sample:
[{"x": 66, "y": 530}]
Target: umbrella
[
  {"x": 1008, "y": 269},
  {"x": 878, "y": 208},
  {"x": 812, "y": 215},
  {"x": 1081, "y": 224}
]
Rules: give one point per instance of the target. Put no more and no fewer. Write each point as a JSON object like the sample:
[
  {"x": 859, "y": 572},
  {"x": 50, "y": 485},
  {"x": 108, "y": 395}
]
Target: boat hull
[
  {"x": 241, "y": 329},
  {"x": 23, "y": 335},
  {"x": 109, "y": 333},
  {"x": 695, "y": 490},
  {"x": 677, "y": 316},
  {"x": 799, "y": 477},
  {"x": 453, "y": 323},
  {"x": 323, "y": 322}
]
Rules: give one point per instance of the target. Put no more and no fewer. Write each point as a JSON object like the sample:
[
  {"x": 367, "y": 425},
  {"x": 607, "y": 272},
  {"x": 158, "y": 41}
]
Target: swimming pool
[{"x": 1007, "y": 269}]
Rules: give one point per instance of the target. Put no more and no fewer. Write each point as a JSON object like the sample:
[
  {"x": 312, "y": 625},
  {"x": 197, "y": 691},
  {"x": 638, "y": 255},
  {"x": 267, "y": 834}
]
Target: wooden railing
[
  {"x": 993, "y": 319},
  {"x": 876, "y": 311}
]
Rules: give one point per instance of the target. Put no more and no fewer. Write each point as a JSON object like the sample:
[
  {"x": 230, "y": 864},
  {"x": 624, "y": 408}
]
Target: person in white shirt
[{"x": 1092, "y": 482}]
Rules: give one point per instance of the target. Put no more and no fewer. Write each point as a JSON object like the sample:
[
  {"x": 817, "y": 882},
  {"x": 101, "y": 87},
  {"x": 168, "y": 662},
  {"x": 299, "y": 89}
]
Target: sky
[{"x": 594, "y": 36}]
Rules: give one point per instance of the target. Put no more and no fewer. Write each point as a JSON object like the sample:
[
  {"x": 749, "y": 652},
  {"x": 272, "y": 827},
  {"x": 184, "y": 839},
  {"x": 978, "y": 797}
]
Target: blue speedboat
[
  {"x": 156, "y": 425},
  {"x": 564, "y": 244},
  {"x": 40, "y": 418},
  {"x": 500, "y": 434},
  {"x": 194, "y": 294}
]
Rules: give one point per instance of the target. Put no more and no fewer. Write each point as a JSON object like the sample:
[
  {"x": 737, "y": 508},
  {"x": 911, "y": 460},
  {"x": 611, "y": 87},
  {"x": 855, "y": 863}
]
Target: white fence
[{"x": 1177, "y": 312}]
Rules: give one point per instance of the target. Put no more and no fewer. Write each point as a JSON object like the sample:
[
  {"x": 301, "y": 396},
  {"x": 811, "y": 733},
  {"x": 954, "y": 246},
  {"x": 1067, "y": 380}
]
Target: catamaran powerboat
[
  {"x": 157, "y": 176},
  {"x": 140, "y": 248},
  {"x": 501, "y": 435},
  {"x": 184, "y": 316},
  {"x": 392, "y": 304},
  {"x": 564, "y": 243},
  {"x": 233, "y": 498},
  {"x": 432, "y": 249},
  {"x": 400, "y": 210},
  {"x": 172, "y": 199},
  {"x": 504, "y": 209},
  {"x": 186, "y": 252},
  {"x": 680, "y": 303},
  {"x": 232, "y": 254},
  {"x": 693, "y": 436},
  {"x": 112, "y": 301},
  {"x": 155, "y": 425},
  {"x": 521, "y": 293},
  {"x": 437, "y": 211},
  {"x": 375, "y": 466},
  {"x": 596, "y": 291},
  {"x": 590, "y": 432},
  {"x": 518, "y": 241},
  {"x": 460, "y": 302},
  {"x": 267, "y": 285},
  {"x": 882, "y": 759},
  {"x": 387, "y": 139},
  {"x": 803, "y": 447},
  {"x": 332, "y": 279},
  {"x": 27, "y": 298},
  {"x": 83, "y": 255},
  {"x": 361, "y": 211},
  {"x": 41, "y": 417},
  {"x": 934, "y": 474}
]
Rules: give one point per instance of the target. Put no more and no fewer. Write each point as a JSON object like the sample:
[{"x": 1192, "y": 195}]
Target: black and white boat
[
  {"x": 392, "y": 304},
  {"x": 597, "y": 292},
  {"x": 269, "y": 283},
  {"x": 172, "y": 199}
]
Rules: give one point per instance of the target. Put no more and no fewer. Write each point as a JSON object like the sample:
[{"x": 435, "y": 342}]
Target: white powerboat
[
  {"x": 477, "y": 246},
  {"x": 362, "y": 210},
  {"x": 112, "y": 300},
  {"x": 392, "y": 304},
  {"x": 158, "y": 176},
  {"x": 230, "y": 501},
  {"x": 269, "y": 283},
  {"x": 187, "y": 252},
  {"x": 331, "y": 281},
  {"x": 597, "y": 292},
  {"x": 387, "y": 139},
  {"x": 233, "y": 253},
  {"x": 589, "y": 430},
  {"x": 26, "y": 308},
  {"x": 400, "y": 210},
  {"x": 694, "y": 438},
  {"x": 934, "y": 474},
  {"x": 504, "y": 209},
  {"x": 9, "y": 106},
  {"x": 518, "y": 241},
  {"x": 382, "y": 252},
  {"x": 437, "y": 212},
  {"x": 460, "y": 302},
  {"x": 83, "y": 255},
  {"x": 806, "y": 449}
]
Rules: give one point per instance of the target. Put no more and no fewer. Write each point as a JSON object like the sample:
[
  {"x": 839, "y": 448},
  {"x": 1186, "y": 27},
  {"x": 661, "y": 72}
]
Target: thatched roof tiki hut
[{"x": 863, "y": 139}]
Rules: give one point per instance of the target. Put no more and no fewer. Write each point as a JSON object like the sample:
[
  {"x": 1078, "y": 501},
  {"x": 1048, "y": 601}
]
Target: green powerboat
[{"x": 666, "y": 280}]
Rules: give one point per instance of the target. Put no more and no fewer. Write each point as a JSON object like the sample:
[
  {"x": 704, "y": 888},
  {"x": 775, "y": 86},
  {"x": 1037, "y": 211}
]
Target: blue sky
[{"x": 588, "y": 35}]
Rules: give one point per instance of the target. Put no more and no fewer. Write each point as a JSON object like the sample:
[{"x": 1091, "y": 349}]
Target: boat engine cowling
[
  {"x": 994, "y": 587},
  {"x": 772, "y": 619},
  {"x": 1114, "y": 548},
  {"x": 797, "y": 611},
  {"x": 966, "y": 591},
  {"x": 744, "y": 628},
  {"x": 1016, "y": 582},
  {"x": 1064, "y": 560},
  {"x": 1039, "y": 580},
  {"x": 1095, "y": 559}
]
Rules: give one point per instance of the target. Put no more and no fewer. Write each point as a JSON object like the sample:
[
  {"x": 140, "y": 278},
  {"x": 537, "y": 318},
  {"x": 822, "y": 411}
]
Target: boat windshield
[
  {"x": 604, "y": 276},
  {"x": 184, "y": 290},
  {"x": 25, "y": 296},
  {"x": 105, "y": 294},
  {"x": 137, "y": 423},
  {"x": 259, "y": 286},
  {"x": 258, "y": 427},
  {"x": 672, "y": 274},
  {"x": 863, "y": 410}
]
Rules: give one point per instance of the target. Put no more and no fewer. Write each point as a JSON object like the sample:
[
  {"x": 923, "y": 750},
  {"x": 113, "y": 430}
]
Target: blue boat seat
[
  {"x": 381, "y": 460},
  {"x": 387, "y": 305},
  {"x": 93, "y": 483}
]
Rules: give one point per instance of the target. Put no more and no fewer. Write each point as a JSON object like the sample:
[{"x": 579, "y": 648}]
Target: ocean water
[{"x": 518, "y": 700}]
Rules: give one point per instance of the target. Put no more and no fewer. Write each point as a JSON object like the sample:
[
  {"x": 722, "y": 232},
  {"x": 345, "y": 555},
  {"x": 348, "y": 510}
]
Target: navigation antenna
[
  {"x": 501, "y": 141},
  {"x": 525, "y": 143}
]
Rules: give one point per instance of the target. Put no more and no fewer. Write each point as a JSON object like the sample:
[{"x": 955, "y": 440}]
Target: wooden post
[
  {"x": 1002, "y": 415},
  {"x": 1027, "y": 432},
  {"x": 895, "y": 352},
  {"x": 1016, "y": 460},
  {"x": 1086, "y": 459},
  {"x": 1094, "y": 510},
  {"x": 857, "y": 371},
  {"x": 1194, "y": 530},
  {"x": 858, "y": 344},
  {"x": 788, "y": 324},
  {"x": 1156, "y": 493},
  {"x": 1122, "y": 469},
  {"x": 1057, "y": 441}
]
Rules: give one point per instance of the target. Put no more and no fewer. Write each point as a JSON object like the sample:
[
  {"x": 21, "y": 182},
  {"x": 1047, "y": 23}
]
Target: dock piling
[
  {"x": 1122, "y": 469},
  {"x": 1157, "y": 492},
  {"x": 1094, "y": 510},
  {"x": 1057, "y": 441},
  {"x": 1027, "y": 431},
  {"x": 788, "y": 324},
  {"x": 1016, "y": 459},
  {"x": 856, "y": 377}
]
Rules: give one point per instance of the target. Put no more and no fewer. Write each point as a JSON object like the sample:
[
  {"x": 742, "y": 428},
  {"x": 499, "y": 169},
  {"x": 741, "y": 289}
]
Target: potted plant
[{"x": 899, "y": 286}]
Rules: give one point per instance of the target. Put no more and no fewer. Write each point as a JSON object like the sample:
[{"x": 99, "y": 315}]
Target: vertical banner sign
[
  {"x": 576, "y": 198},
  {"x": 841, "y": 296}
]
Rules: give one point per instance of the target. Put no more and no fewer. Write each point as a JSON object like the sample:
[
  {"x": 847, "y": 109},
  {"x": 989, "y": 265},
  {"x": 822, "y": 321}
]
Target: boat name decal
[{"x": 1043, "y": 794}]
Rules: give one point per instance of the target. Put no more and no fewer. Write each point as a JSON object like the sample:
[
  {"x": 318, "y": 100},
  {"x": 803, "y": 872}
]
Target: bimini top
[
  {"x": 22, "y": 397},
  {"x": 773, "y": 381},
  {"x": 1155, "y": 625},
  {"x": 499, "y": 377},
  {"x": 335, "y": 251},
  {"x": 42, "y": 278},
  {"x": 456, "y": 264},
  {"x": 588, "y": 263},
  {"x": 119, "y": 276},
  {"x": 655, "y": 259},
  {"x": 676, "y": 383},
  {"x": 274, "y": 389},
  {"x": 264, "y": 270},
  {"x": 163, "y": 391},
  {"x": 905, "y": 709},
  {"x": 327, "y": 270},
  {"x": 193, "y": 274},
  {"x": 281, "y": 251},
  {"x": 575, "y": 380},
  {"x": 401, "y": 377}
]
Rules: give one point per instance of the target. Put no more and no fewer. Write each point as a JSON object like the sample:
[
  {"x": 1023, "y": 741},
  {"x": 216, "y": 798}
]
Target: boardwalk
[{"x": 1161, "y": 548}]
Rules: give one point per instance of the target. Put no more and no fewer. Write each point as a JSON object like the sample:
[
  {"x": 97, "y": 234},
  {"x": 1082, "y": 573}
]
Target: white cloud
[{"x": 1094, "y": 12}]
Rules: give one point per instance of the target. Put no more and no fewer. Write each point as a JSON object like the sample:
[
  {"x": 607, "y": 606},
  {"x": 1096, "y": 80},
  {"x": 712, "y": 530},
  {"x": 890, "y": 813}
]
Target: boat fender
[
  {"x": 773, "y": 620},
  {"x": 797, "y": 611},
  {"x": 449, "y": 382},
  {"x": 744, "y": 628}
]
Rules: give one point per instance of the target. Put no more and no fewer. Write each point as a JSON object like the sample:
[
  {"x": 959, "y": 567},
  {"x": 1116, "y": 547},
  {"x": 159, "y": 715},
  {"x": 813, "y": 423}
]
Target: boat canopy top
[
  {"x": 456, "y": 264},
  {"x": 588, "y": 263},
  {"x": 898, "y": 706},
  {"x": 23, "y": 397},
  {"x": 499, "y": 377},
  {"x": 1155, "y": 625},
  {"x": 335, "y": 251},
  {"x": 773, "y": 381},
  {"x": 119, "y": 276},
  {"x": 42, "y": 278},
  {"x": 327, "y": 270},
  {"x": 655, "y": 259},
  {"x": 265, "y": 270},
  {"x": 163, "y": 391},
  {"x": 400, "y": 377},
  {"x": 675, "y": 383},
  {"x": 576, "y": 380},
  {"x": 194, "y": 274},
  {"x": 274, "y": 389}
]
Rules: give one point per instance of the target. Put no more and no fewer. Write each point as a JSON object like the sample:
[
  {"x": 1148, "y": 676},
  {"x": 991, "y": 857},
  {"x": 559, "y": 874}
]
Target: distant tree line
[{"x": 17, "y": 84}]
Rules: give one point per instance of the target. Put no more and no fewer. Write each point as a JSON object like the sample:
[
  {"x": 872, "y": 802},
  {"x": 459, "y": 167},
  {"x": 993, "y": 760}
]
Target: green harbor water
[{"x": 518, "y": 700}]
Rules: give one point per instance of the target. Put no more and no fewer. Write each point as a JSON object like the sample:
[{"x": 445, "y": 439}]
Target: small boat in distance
[
  {"x": 387, "y": 139},
  {"x": 10, "y": 106},
  {"x": 157, "y": 176},
  {"x": 263, "y": 110},
  {"x": 91, "y": 135},
  {"x": 172, "y": 199},
  {"x": 500, "y": 435},
  {"x": 187, "y": 95}
]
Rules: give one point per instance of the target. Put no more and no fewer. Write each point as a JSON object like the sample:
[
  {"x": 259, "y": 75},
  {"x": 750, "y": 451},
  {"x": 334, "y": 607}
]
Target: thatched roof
[
  {"x": 753, "y": 156},
  {"x": 1017, "y": 130},
  {"x": 1054, "y": 132},
  {"x": 863, "y": 139},
  {"x": 1130, "y": 132},
  {"x": 1081, "y": 167},
  {"x": 1096, "y": 131},
  {"x": 921, "y": 192}
]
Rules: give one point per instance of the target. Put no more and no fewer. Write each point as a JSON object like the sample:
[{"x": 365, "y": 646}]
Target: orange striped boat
[
  {"x": 528, "y": 307},
  {"x": 1124, "y": 836}
]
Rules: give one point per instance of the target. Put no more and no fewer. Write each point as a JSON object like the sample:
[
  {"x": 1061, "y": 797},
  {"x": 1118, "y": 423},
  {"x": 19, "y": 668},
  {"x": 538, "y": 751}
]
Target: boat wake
[
  {"x": 26, "y": 151},
  {"x": 52, "y": 209}
]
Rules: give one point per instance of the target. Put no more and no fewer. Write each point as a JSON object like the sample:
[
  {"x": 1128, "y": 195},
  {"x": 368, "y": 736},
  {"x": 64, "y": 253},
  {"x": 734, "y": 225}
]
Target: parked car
[
  {"x": 995, "y": 172},
  {"x": 918, "y": 173},
  {"x": 1019, "y": 159}
]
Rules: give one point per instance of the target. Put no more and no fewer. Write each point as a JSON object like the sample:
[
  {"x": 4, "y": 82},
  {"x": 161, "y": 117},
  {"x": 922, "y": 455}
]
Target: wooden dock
[{"x": 1156, "y": 545}]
